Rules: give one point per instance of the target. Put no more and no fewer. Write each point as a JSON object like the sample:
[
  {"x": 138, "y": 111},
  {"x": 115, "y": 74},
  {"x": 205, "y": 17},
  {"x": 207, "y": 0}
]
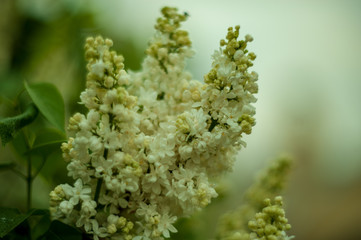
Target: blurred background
[{"x": 308, "y": 60}]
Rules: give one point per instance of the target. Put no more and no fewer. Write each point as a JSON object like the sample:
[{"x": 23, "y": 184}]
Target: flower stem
[
  {"x": 29, "y": 181},
  {"x": 97, "y": 190},
  {"x": 100, "y": 180}
]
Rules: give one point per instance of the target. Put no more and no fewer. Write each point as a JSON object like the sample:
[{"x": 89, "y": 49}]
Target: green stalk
[
  {"x": 97, "y": 190},
  {"x": 100, "y": 180},
  {"x": 29, "y": 181}
]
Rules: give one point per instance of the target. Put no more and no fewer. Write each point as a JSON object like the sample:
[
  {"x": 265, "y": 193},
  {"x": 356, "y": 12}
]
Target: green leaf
[
  {"x": 21, "y": 232},
  {"x": 41, "y": 226},
  {"x": 20, "y": 144},
  {"x": 47, "y": 141},
  {"x": 49, "y": 101},
  {"x": 48, "y": 135},
  {"x": 39, "y": 212},
  {"x": 61, "y": 231},
  {"x": 7, "y": 166},
  {"x": 10, "y": 126},
  {"x": 10, "y": 218}
]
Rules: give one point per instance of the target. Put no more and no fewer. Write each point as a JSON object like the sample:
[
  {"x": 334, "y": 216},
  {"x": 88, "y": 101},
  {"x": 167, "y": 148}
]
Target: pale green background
[{"x": 309, "y": 63}]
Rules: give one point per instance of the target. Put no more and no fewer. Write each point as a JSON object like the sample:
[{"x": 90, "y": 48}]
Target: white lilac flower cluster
[{"x": 143, "y": 154}]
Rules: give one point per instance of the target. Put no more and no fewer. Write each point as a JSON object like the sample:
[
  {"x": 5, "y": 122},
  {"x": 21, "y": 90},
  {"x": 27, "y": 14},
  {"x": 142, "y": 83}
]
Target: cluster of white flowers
[{"x": 143, "y": 154}]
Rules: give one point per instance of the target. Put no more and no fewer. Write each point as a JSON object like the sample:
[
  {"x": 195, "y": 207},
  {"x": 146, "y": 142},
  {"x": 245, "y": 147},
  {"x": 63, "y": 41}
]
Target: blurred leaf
[
  {"x": 39, "y": 212},
  {"x": 19, "y": 144},
  {"x": 22, "y": 228},
  {"x": 10, "y": 85},
  {"x": 186, "y": 229},
  {"x": 10, "y": 218},
  {"x": 61, "y": 231},
  {"x": 10, "y": 126},
  {"x": 30, "y": 136},
  {"x": 48, "y": 135},
  {"x": 49, "y": 101},
  {"x": 6, "y": 166},
  {"x": 50, "y": 170},
  {"x": 41, "y": 226},
  {"x": 20, "y": 232},
  {"x": 6, "y": 100},
  {"x": 47, "y": 145},
  {"x": 47, "y": 141}
]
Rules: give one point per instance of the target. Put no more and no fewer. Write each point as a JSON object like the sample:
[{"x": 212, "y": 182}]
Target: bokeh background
[{"x": 308, "y": 60}]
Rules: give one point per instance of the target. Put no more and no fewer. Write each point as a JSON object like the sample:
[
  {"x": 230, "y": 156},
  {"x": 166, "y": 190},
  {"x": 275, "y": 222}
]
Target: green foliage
[
  {"x": 49, "y": 101},
  {"x": 35, "y": 43},
  {"x": 21, "y": 232},
  {"x": 6, "y": 166},
  {"x": 47, "y": 147},
  {"x": 20, "y": 143},
  {"x": 34, "y": 225},
  {"x": 47, "y": 141},
  {"x": 61, "y": 231},
  {"x": 186, "y": 229},
  {"x": 37, "y": 143},
  {"x": 41, "y": 226},
  {"x": 10, "y": 218},
  {"x": 10, "y": 126}
]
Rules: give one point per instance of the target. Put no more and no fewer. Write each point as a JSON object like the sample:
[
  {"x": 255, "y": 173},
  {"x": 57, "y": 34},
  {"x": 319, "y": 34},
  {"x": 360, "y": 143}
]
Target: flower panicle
[
  {"x": 271, "y": 223},
  {"x": 248, "y": 222},
  {"x": 142, "y": 156},
  {"x": 106, "y": 79},
  {"x": 170, "y": 38}
]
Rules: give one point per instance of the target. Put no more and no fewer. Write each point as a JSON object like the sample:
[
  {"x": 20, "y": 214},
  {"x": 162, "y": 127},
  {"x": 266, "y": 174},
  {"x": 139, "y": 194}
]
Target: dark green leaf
[
  {"x": 41, "y": 226},
  {"x": 20, "y": 232},
  {"x": 61, "y": 231},
  {"x": 10, "y": 126},
  {"x": 47, "y": 141},
  {"x": 10, "y": 218},
  {"x": 48, "y": 135},
  {"x": 49, "y": 101},
  {"x": 46, "y": 145},
  {"x": 7, "y": 166},
  {"x": 39, "y": 212},
  {"x": 20, "y": 144}
]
